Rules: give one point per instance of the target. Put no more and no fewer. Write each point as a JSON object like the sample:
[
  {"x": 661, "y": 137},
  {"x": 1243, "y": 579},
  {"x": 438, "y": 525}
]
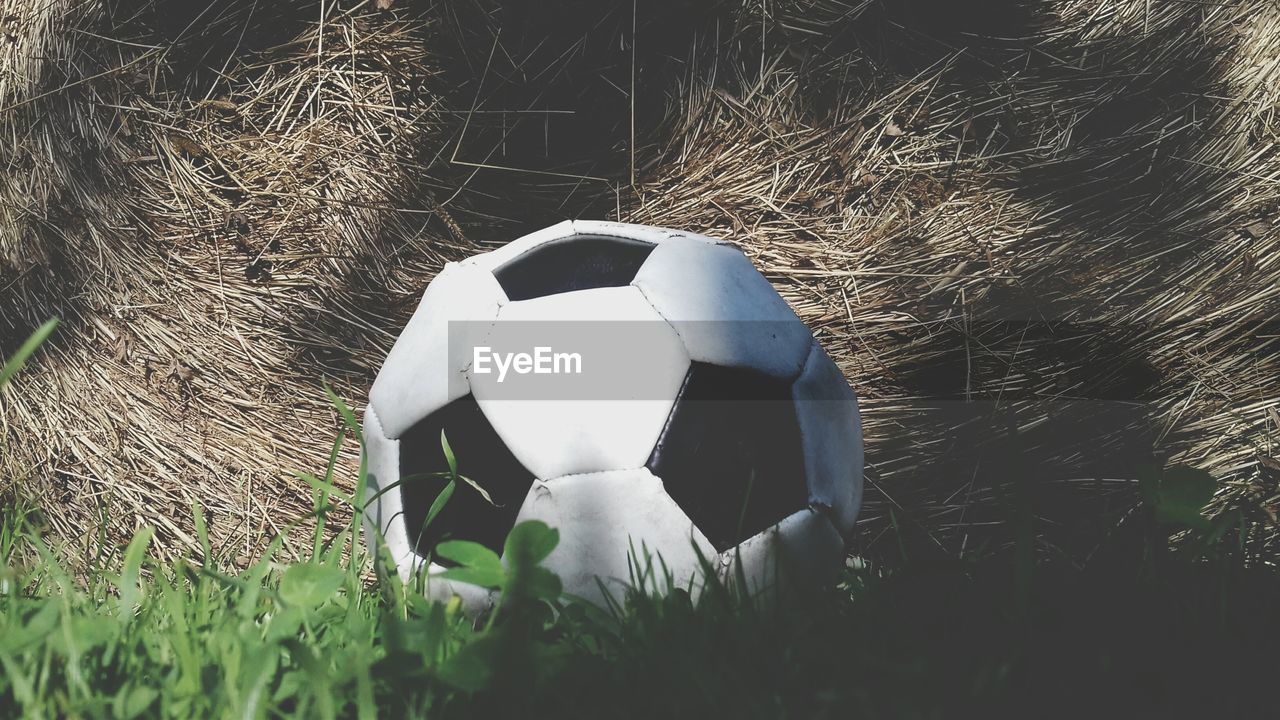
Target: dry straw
[
  {"x": 260, "y": 228},
  {"x": 1040, "y": 239}
]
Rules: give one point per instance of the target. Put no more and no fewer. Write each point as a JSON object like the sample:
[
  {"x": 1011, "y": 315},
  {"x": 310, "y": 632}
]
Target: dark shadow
[
  {"x": 201, "y": 39},
  {"x": 549, "y": 97}
]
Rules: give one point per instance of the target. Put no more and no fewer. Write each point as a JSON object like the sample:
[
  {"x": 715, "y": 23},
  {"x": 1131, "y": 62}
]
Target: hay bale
[
  {"x": 1037, "y": 241},
  {"x": 1040, "y": 238},
  {"x": 263, "y": 237}
]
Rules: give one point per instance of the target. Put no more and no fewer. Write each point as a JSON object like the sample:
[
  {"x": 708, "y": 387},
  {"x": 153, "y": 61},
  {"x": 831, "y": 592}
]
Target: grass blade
[
  {"x": 130, "y": 590},
  {"x": 25, "y": 352}
]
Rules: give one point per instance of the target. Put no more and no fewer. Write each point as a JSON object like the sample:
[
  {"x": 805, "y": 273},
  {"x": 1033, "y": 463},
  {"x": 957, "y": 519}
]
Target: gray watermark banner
[
  {"x": 999, "y": 361},
  {"x": 596, "y": 360}
]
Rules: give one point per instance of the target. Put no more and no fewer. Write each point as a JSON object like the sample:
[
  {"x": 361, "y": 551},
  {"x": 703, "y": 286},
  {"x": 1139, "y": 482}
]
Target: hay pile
[
  {"x": 242, "y": 222},
  {"x": 1040, "y": 238}
]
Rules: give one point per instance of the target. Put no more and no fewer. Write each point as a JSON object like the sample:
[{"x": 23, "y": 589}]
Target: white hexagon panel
[
  {"x": 419, "y": 377},
  {"x": 620, "y": 528},
  {"x": 622, "y": 371},
  {"x": 724, "y": 310}
]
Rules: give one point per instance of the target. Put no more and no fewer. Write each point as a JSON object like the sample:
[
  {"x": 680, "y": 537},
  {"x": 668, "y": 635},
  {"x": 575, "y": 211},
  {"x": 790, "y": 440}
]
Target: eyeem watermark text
[{"x": 542, "y": 361}]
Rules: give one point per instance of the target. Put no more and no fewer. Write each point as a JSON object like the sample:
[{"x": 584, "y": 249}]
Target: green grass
[
  {"x": 942, "y": 639},
  {"x": 1139, "y": 632}
]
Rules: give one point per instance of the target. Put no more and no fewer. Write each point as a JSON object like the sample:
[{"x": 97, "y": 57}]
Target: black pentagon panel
[
  {"x": 580, "y": 262},
  {"x": 482, "y": 457},
  {"x": 730, "y": 455}
]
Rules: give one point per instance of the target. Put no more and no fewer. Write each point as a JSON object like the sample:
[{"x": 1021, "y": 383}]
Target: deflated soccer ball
[{"x": 644, "y": 391}]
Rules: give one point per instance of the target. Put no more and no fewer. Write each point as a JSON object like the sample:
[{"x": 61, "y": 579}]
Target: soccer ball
[{"x": 642, "y": 390}]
